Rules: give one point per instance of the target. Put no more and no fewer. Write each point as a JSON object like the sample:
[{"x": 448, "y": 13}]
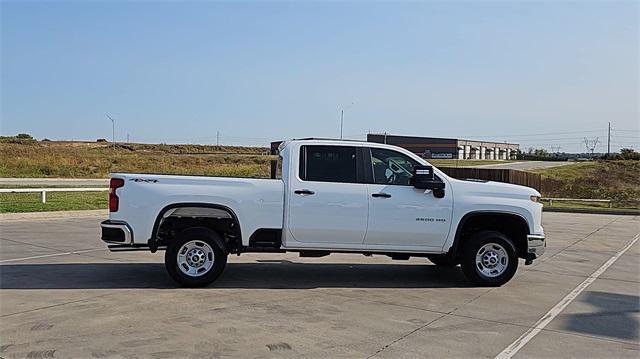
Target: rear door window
[{"x": 328, "y": 164}]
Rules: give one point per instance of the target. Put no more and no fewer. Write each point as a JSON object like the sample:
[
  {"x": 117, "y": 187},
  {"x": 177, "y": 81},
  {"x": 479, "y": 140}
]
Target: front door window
[{"x": 390, "y": 167}]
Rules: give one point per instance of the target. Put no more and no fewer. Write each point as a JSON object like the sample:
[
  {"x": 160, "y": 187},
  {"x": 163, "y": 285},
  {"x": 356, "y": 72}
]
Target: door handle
[
  {"x": 304, "y": 192},
  {"x": 381, "y": 195}
]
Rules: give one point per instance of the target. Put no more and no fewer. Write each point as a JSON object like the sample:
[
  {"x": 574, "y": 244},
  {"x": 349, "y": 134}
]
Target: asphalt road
[
  {"x": 526, "y": 165},
  {"x": 63, "y": 295}
]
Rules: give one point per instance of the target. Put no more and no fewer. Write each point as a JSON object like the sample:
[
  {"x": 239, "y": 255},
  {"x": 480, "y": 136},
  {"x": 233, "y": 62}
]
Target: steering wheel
[
  {"x": 396, "y": 169},
  {"x": 391, "y": 178}
]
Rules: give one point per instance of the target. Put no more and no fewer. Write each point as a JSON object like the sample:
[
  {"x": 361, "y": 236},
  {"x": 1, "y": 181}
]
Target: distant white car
[{"x": 329, "y": 196}]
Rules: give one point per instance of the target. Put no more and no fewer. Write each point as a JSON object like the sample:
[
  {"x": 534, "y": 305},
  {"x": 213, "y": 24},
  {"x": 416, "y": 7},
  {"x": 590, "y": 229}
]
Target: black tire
[
  {"x": 199, "y": 238},
  {"x": 474, "y": 272},
  {"x": 443, "y": 260}
]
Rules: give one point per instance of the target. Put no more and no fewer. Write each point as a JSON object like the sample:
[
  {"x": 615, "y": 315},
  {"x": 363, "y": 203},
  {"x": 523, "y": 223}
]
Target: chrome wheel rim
[
  {"x": 492, "y": 260},
  {"x": 195, "y": 258}
]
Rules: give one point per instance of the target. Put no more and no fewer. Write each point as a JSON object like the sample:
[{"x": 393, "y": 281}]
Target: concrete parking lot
[{"x": 63, "y": 295}]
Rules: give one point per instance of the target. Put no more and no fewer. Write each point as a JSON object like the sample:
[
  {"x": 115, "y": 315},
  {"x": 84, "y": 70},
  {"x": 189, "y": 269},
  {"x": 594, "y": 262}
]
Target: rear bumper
[
  {"x": 116, "y": 232},
  {"x": 536, "y": 245}
]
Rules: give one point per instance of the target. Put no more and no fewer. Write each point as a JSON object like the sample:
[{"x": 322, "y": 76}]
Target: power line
[
  {"x": 542, "y": 134},
  {"x": 551, "y": 139},
  {"x": 551, "y": 144}
]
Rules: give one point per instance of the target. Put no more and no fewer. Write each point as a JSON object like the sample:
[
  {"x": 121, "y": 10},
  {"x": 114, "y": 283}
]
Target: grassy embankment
[
  {"x": 97, "y": 160},
  {"x": 616, "y": 180}
]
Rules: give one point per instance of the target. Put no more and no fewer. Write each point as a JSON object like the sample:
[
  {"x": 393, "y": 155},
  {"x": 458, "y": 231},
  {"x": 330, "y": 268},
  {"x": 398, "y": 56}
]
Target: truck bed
[{"x": 257, "y": 203}]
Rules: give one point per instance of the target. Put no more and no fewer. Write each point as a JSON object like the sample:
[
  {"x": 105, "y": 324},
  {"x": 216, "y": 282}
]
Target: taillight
[{"x": 114, "y": 184}]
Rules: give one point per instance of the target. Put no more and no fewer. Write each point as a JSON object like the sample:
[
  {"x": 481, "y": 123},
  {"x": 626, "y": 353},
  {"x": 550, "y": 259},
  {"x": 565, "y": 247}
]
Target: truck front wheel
[
  {"x": 489, "y": 259},
  {"x": 195, "y": 257}
]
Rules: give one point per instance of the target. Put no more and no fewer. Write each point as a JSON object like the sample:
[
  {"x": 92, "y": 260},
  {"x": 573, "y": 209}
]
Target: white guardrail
[
  {"x": 550, "y": 200},
  {"x": 43, "y": 191}
]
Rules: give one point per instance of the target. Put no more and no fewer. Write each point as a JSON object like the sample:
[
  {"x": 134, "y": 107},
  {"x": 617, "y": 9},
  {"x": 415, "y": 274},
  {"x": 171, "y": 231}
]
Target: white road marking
[
  {"x": 514, "y": 347},
  {"x": 52, "y": 255}
]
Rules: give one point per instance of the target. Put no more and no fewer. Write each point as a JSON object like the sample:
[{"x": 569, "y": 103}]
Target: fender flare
[
  {"x": 153, "y": 241},
  {"x": 453, "y": 250}
]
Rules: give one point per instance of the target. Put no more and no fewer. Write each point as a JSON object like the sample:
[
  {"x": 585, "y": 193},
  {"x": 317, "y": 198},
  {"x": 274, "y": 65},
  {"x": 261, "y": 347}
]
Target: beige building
[{"x": 432, "y": 147}]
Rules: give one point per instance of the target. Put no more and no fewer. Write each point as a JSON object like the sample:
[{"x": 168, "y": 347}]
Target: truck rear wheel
[
  {"x": 489, "y": 259},
  {"x": 195, "y": 258}
]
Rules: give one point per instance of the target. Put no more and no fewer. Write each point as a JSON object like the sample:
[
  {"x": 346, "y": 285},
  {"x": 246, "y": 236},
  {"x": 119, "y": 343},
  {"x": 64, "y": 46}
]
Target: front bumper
[
  {"x": 116, "y": 232},
  {"x": 536, "y": 246}
]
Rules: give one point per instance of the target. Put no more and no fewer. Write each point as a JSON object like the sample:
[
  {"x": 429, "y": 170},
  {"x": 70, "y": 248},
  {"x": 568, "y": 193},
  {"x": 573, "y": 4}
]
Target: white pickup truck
[{"x": 328, "y": 196}]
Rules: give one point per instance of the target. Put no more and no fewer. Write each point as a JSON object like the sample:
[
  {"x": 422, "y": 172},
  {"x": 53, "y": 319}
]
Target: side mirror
[{"x": 423, "y": 178}]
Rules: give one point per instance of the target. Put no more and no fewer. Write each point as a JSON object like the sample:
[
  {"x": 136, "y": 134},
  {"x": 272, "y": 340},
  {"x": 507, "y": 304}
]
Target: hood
[{"x": 493, "y": 189}]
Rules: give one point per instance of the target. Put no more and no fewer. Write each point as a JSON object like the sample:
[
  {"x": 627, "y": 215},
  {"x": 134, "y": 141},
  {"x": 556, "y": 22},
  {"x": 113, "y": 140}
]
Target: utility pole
[
  {"x": 609, "y": 140},
  {"x": 342, "y": 117},
  {"x": 113, "y": 131},
  {"x": 341, "y": 122},
  {"x": 217, "y": 138},
  {"x": 127, "y": 138}
]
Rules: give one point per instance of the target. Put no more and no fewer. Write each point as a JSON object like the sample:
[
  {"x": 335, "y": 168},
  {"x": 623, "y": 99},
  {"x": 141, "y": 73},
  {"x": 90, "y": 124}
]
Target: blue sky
[{"x": 547, "y": 73}]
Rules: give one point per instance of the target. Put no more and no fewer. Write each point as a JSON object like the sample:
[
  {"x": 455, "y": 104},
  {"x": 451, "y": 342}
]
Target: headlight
[{"x": 535, "y": 198}]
